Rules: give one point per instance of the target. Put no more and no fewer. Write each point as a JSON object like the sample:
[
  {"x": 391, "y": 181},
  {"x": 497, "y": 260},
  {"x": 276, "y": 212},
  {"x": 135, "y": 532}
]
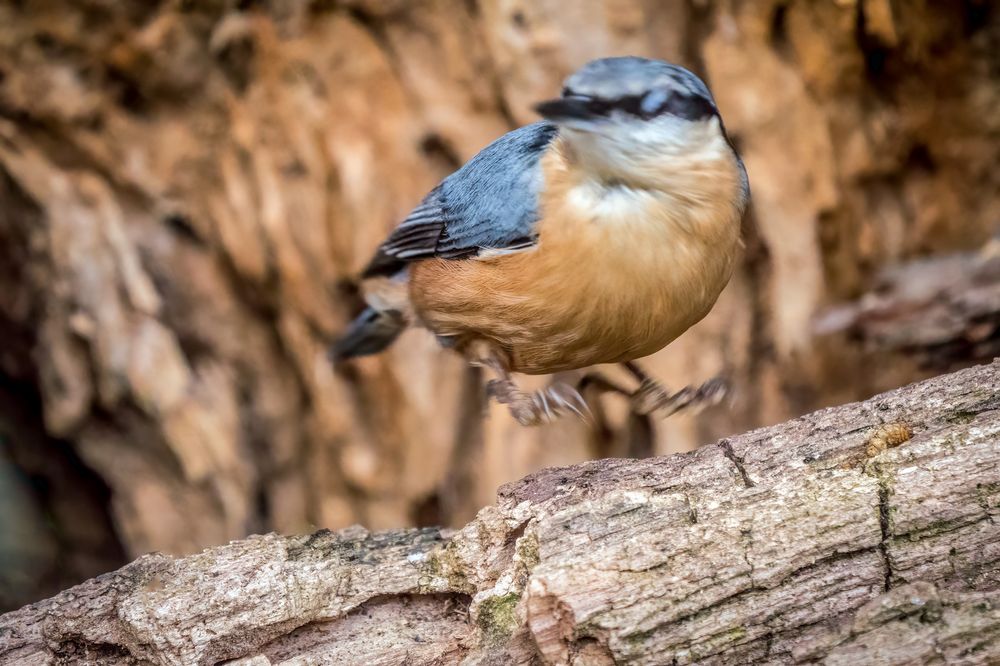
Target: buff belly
[
  {"x": 607, "y": 295},
  {"x": 543, "y": 327}
]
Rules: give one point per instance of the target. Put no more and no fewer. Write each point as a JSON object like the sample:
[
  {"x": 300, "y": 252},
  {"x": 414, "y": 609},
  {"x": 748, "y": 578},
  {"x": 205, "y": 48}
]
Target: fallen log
[{"x": 866, "y": 533}]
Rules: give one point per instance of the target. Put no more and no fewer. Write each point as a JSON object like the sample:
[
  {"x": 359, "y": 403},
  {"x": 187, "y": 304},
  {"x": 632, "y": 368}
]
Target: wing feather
[{"x": 488, "y": 206}]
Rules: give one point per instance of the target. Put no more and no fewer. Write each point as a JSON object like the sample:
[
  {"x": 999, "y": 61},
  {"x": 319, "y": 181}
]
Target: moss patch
[
  {"x": 527, "y": 551},
  {"x": 498, "y": 618},
  {"x": 444, "y": 563}
]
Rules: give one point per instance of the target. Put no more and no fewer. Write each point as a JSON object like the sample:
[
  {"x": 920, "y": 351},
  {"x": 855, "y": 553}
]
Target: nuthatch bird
[{"x": 598, "y": 235}]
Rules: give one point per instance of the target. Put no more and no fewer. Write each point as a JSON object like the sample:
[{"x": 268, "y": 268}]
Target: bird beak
[{"x": 567, "y": 108}]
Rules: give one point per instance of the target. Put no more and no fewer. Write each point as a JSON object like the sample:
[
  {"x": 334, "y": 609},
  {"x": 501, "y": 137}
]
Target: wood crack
[
  {"x": 727, "y": 450},
  {"x": 886, "y": 530}
]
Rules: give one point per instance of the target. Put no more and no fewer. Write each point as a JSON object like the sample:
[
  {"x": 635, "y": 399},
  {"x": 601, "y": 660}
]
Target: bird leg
[
  {"x": 638, "y": 430},
  {"x": 537, "y": 407},
  {"x": 601, "y": 384},
  {"x": 651, "y": 396}
]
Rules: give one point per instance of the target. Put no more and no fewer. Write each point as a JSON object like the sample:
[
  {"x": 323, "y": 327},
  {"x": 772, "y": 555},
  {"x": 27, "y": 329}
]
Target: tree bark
[
  {"x": 862, "y": 533},
  {"x": 941, "y": 310}
]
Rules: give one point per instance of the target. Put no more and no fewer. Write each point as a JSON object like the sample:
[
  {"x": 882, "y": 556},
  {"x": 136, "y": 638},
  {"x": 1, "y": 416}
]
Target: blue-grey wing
[{"x": 491, "y": 203}]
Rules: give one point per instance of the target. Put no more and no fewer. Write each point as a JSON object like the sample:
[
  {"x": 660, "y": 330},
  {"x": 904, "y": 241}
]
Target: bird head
[{"x": 626, "y": 114}]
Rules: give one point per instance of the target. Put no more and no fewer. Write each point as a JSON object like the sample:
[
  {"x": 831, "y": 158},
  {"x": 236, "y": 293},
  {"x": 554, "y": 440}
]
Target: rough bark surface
[
  {"x": 188, "y": 189},
  {"x": 866, "y": 533}
]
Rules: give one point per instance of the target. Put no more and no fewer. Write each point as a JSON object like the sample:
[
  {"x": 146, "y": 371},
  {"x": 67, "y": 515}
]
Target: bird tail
[{"x": 370, "y": 332}]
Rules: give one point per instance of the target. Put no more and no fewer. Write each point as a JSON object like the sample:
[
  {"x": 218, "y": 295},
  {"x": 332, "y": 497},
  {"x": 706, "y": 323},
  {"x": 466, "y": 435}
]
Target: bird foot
[
  {"x": 538, "y": 407},
  {"x": 651, "y": 397}
]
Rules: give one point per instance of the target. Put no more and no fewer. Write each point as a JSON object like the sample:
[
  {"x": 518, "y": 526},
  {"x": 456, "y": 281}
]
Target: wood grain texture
[{"x": 799, "y": 543}]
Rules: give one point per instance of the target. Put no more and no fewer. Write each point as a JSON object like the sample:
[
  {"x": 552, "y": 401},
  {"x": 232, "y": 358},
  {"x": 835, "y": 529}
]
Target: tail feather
[{"x": 370, "y": 332}]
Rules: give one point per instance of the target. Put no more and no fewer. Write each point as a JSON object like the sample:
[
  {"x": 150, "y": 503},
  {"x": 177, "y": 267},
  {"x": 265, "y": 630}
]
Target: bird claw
[
  {"x": 563, "y": 397},
  {"x": 539, "y": 407},
  {"x": 548, "y": 404},
  {"x": 652, "y": 397}
]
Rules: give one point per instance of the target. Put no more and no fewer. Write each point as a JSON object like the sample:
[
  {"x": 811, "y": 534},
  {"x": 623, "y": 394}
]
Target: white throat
[{"x": 668, "y": 155}]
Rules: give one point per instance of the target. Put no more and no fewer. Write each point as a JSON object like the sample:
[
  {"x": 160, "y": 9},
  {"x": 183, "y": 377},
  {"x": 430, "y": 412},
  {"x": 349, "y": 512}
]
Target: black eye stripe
[
  {"x": 690, "y": 107},
  {"x": 631, "y": 104}
]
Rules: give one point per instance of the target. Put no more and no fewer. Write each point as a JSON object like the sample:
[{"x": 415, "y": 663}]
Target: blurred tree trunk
[
  {"x": 188, "y": 188},
  {"x": 940, "y": 309}
]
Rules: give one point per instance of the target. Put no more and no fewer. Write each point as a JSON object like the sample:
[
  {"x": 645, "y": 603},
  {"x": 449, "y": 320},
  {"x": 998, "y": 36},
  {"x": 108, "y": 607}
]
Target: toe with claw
[
  {"x": 538, "y": 407},
  {"x": 651, "y": 397}
]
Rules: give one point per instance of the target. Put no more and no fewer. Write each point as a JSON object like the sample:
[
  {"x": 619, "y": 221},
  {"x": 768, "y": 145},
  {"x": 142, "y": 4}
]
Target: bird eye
[{"x": 653, "y": 102}]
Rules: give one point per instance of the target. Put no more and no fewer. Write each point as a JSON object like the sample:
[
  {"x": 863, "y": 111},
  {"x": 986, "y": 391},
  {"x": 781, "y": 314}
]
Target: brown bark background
[{"x": 187, "y": 189}]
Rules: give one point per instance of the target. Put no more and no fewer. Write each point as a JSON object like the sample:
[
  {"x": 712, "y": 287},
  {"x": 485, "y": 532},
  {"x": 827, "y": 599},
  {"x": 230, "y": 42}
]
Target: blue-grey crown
[{"x": 641, "y": 87}]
